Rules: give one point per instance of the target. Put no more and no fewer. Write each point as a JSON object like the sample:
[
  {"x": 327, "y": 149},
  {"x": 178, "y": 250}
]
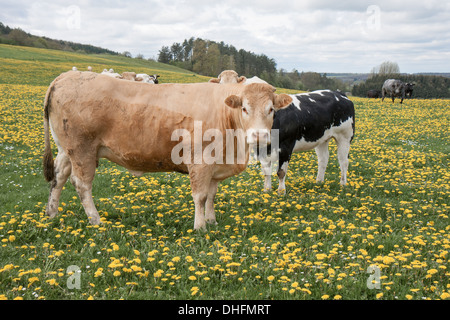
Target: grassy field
[{"x": 315, "y": 242}]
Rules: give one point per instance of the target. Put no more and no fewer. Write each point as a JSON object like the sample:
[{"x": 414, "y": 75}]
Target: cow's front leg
[
  {"x": 266, "y": 168},
  {"x": 200, "y": 183},
  {"x": 210, "y": 215},
  {"x": 282, "y": 171},
  {"x": 284, "y": 157}
]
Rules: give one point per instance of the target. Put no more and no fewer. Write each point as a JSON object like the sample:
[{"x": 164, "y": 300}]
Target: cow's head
[
  {"x": 258, "y": 103},
  {"x": 228, "y": 76}
]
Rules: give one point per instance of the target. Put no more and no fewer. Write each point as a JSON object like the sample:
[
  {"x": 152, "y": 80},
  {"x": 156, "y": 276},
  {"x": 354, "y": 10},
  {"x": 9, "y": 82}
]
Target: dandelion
[
  {"x": 98, "y": 273},
  {"x": 158, "y": 273},
  {"x": 445, "y": 295},
  {"x": 52, "y": 282},
  {"x": 32, "y": 280},
  {"x": 194, "y": 291}
]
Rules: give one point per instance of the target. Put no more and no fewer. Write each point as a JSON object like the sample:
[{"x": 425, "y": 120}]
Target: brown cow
[
  {"x": 94, "y": 116},
  {"x": 228, "y": 76},
  {"x": 231, "y": 76}
]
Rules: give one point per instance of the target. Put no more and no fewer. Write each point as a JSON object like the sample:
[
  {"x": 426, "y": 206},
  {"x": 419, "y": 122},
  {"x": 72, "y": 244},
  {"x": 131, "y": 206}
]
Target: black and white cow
[
  {"x": 309, "y": 122},
  {"x": 396, "y": 88}
]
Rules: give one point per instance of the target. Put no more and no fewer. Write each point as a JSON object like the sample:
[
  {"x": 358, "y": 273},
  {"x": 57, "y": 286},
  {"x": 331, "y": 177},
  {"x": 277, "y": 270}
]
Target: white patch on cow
[
  {"x": 336, "y": 97},
  {"x": 345, "y": 98},
  {"x": 345, "y": 128},
  {"x": 312, "y": 100},
  {"x": 296, "y": 102},
  {"x": 320, "y": 92},
  {"x": 281, "y": 184}
]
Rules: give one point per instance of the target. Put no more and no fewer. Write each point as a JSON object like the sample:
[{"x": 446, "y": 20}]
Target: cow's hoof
[
  {"x": 95, "y": 221},
  {"x": 212, "y": 221},
  {"x": 51, "y": 213},
  {"x": 200, "y": 227}
]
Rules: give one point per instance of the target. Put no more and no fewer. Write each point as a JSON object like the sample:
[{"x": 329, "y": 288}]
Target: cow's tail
[{"x": 48, "y": 163}]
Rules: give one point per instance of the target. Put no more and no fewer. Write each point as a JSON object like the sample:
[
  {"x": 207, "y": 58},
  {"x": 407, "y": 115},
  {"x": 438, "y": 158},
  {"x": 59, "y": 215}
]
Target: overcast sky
[{"x": 312, "y": 35}]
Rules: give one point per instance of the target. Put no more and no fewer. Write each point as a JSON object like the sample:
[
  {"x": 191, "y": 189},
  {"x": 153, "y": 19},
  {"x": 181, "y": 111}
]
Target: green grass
[{"x": 315, "y": 242}]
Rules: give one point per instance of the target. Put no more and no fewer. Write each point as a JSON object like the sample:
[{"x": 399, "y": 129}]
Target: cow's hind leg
[
  {"x": 83, "y": 172},
  {"x": 63, "y": 168},
  {"x": 343, "y": 149},
  {"x": 322, "y": 160}
]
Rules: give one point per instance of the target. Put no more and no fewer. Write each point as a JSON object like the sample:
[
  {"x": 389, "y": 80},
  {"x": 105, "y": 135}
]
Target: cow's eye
[
  {"x": 270, "y": 110},
  {"x": 245, "y": 110}
]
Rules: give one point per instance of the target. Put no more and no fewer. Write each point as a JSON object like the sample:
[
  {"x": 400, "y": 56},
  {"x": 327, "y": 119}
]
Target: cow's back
[{"x": 132, "y": 123}]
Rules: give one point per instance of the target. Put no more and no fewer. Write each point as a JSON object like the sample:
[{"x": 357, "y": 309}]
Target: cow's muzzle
[{"x": 259, "y": 136}]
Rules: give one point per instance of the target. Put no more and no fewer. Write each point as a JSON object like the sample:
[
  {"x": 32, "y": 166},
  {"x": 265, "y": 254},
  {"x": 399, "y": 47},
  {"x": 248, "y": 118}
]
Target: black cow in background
[
  {"x": 373, "y": 94},
  {"x": 396, "y": 88}
]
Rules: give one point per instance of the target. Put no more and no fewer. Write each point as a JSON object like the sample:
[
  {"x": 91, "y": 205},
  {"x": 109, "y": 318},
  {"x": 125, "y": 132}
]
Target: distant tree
[
  {"x": 20, "y": 37},
  {"x": 40, "y": 43},
  {"x": 4, "y": 29},
  {"x": 188, "y": 46},
  {"x": 139, "y": 56},
  {"x": 387, "y": 68},
  {"x": 199, "y": 56},
  {"x": 164, "y": 55},
  {"x": 212, "y": 66},
  {"x": 227, "y": 62},
  {"x": 177, "y": 52},
  {"x": 126, "y": 54}
]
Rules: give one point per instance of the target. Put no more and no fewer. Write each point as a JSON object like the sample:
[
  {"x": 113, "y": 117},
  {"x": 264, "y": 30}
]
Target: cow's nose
[{"x": 260, "y": 136}]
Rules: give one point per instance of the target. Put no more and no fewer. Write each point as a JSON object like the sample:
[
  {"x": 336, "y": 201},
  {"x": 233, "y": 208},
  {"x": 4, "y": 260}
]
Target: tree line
[
  {"x": 19, "y": 37},
  {"x": 209, "y": 58}
]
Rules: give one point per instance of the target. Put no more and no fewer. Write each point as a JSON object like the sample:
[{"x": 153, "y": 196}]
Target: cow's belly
[
  {"x": 139, "y": 163},
  {"x": 303, "y": 145},
  {"x": 344, "y": 129}
]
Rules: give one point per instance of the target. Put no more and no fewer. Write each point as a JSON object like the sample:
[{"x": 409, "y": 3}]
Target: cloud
[{"x": 317, "y": 35}]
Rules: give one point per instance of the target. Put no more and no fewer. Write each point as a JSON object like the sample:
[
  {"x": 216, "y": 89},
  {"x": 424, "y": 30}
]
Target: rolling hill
[{"x": 38, "y": 66}]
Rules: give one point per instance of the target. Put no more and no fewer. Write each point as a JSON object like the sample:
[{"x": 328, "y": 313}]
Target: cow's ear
[
  {"x": 242, "y": 79},
  {"x": 233, "y": 101},
  {"x": 282, "y": 101},
  {"x": 214, "y": 80}
]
